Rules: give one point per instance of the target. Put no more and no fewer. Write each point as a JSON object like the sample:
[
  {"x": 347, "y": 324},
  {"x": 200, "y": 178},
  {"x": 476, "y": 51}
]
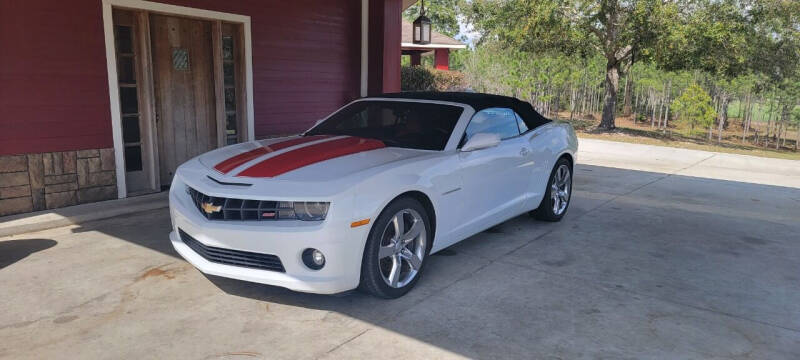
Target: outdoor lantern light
[{"x": 422, "y": 27}]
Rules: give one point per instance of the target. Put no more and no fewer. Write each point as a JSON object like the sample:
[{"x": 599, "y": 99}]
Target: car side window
[
  {"x": 523, "y": 128},
  {"x": 500, "y": 121}
]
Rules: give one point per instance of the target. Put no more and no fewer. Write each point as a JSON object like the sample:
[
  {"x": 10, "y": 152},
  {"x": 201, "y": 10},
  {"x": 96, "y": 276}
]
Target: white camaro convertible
[{"x": 362, "y": 199}]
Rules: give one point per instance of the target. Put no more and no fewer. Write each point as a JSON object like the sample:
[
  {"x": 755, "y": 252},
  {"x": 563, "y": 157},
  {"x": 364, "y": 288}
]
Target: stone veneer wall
[{"x": 32, "y": 182}]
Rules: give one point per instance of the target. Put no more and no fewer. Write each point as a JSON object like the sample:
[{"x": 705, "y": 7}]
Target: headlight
[{"x": 310, "y": 211}]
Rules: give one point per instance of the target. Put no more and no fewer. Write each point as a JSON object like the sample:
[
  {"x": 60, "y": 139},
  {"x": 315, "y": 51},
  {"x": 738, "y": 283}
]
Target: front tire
[
  {"x": 558, "y": 194},
  {"x": 396, "y": 250}
]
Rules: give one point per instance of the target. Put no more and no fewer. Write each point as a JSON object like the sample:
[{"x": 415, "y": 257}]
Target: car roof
[{"x": 477, "y": 101}]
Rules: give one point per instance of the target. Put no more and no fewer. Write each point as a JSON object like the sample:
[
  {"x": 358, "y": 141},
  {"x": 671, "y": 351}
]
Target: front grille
[
  {"x": 233, "y": 257},
  {"x": 222, "y": 208}
]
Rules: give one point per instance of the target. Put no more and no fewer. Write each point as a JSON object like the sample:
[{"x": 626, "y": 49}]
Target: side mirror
[{"x": 481, "y": 141}]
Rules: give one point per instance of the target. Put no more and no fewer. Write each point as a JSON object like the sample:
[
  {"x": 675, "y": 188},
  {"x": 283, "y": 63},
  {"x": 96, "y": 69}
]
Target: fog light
[{"x": 313, "y": 258}]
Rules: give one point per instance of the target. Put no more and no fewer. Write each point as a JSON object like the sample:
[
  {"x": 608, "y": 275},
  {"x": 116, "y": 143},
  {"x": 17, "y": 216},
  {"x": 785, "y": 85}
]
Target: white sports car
[{"x": 362, "y": 199}]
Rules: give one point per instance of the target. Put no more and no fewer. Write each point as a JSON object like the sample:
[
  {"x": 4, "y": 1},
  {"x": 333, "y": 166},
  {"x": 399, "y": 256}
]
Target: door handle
[{"x": 524, "y": 151}]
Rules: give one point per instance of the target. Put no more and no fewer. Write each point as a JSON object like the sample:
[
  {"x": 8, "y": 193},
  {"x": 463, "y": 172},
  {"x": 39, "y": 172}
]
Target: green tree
[
  {"x": 694, "y": 107},
  {"x": 616, "y": 29}
]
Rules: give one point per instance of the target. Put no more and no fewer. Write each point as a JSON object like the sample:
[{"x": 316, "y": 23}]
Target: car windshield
[{"x": 405, "y": 124}]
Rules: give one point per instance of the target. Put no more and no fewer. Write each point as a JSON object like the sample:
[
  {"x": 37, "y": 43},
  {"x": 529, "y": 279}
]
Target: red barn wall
[{"x": 53, "y": 83}]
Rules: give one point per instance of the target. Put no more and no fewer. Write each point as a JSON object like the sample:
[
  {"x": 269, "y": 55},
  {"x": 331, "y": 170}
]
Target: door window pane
[
  {"x": 133, "y": 158},
  {"x": 128, "y": 100},
  {"x": 180, "y": 59},
  {"x": 230, "y": 129},
  {"x": 500, "y": 121},
  {"x": 130, "y": 129},
  {"x": 228, "y": 75},
  {"x": 227, "y": 48},
  {"x": 230, "y": 99},
  {"x": 125, "y": 70},
  {"x": 124, "y": 39}
]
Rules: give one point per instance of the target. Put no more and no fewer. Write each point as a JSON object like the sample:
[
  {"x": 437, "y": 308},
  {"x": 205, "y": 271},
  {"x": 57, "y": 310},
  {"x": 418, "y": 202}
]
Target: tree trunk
[
  {"x": 723, "y": 106},
  {"x": 710, "y": 132},
  {"x": 666, "y": 112},
  {"x": 610, "y": 96},
  {"x": 745, "y": 119},
  {"x": 635, "y": 105},
  {"x": 797, "y": 138},
  {"x": 626, "y": 108}
]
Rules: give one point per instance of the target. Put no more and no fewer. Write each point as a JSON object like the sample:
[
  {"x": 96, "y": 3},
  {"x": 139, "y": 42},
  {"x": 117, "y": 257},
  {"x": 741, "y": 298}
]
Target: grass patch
[{"x": 679, "y": 137}]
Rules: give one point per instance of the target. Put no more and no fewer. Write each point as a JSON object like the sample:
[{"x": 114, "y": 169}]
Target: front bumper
[{"x": 342, "y": 246}]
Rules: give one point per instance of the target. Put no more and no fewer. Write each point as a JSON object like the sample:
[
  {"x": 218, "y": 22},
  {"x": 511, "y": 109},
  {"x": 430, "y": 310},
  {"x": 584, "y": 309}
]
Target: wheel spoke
[
  {"x": 414, "y": 260},
  {"x": 385, "y": 251},
  {"x": 412, "y": 233},
  {"x": 394, "y": 275},
  {"x": 565, "y": 179},
  {"x": 399, "y": 226}
]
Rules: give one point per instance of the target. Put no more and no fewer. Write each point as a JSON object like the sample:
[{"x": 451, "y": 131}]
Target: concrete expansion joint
[{"x": 346, "y": 341}]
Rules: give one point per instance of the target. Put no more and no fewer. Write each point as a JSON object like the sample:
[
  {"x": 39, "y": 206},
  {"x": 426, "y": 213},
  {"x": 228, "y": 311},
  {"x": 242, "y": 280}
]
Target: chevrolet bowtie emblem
[{"x": 210, "y": 208}]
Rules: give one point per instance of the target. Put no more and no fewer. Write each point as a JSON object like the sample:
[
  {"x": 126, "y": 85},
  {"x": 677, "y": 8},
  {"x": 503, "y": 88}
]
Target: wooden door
[{"x": 183, "y": 74}]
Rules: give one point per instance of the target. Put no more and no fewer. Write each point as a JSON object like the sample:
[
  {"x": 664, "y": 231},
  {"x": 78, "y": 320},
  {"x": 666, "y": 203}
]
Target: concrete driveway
[{"x": 665, "y": 253}]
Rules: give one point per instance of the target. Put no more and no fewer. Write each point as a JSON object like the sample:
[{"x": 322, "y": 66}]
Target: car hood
[{"x": 304, "y": 159}]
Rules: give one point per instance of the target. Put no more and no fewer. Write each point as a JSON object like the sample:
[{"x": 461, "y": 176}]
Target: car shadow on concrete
[
  {"x": 12, "y": 251},
  {"x": 642, "y": 265}
]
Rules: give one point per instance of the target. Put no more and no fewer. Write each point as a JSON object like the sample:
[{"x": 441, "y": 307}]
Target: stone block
[
  {"x": 107, "y": 159},
  {"x": 83, "y": 171},
  {"x": 88, "y": 153},
  {"x": 58, "y": 163},
  {"x": 36, "y": 171},
  {"x": 97, "y": 194},
  {"x": 37, "y": 198},
  {"x": 14, "y": 179},
  {"x": 94, "y": 164},
  {"x": 13, "y": 163},
  {"x": 15, "y": 191},
  {"x": 102, "y": 178},
  {"x": 69, "y": 160},
  {"x": 69, "y": 186},
  {"x": 15, "y": 206},
  {"x": 60, "y": 179},
  {"x": 60, "y": 199},
  {"x": 47, "y": 160}
]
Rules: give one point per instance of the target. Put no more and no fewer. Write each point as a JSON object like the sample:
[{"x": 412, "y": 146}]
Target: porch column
[
  {"x": 442, "y": 59},
  {"x": 384, "y": 46},
  {"x": 416, "y": 58}
]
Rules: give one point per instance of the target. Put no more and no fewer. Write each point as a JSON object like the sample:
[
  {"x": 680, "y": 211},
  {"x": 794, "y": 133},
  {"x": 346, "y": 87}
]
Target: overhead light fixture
[{"x": 422, "y": 27}]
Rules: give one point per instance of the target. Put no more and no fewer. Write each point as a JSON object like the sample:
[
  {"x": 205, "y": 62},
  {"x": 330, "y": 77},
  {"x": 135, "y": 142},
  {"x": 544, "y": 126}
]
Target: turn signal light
[{"x": 359, "y": 223}]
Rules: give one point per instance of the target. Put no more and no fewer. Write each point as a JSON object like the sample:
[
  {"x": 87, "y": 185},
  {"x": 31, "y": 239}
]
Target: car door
[{"x": 495, "y": 180}]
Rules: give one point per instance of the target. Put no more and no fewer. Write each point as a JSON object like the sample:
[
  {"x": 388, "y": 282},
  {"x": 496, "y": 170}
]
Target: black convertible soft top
[{"x": 478, "y": 101}]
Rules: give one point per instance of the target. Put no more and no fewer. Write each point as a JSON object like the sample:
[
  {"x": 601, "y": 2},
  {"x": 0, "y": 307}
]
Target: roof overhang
[
  {"x": 408, "y": 3},
  {"x": 412, "y": 46}
]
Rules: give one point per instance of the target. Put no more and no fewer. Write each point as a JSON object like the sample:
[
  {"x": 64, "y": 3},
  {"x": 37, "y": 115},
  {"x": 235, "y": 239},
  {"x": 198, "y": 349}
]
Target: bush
[{"x": 419, "y": 78}]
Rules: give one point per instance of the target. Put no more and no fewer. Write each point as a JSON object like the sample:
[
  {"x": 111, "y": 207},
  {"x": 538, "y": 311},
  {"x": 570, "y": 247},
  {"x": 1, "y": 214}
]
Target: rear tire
[
  {"x": 558, "y": 194},
  {"x": 394, "y": 259}
]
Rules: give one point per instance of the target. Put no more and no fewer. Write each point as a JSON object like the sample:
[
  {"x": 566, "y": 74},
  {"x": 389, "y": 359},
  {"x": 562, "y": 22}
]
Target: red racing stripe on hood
[
  {"x": 236, "y": 161},
  {"x": 311, "y": 154}
]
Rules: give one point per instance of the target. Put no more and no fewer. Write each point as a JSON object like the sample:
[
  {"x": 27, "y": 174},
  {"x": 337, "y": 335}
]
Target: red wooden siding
[
  {"x": 53, "y": 85},
  {"x": 442, "y": 59},
  {"x": 384, "y": 46}
]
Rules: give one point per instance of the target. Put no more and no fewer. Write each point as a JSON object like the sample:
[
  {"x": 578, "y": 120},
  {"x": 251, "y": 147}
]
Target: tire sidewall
[
  {"x": 371, "y": 278},
  {"x": 546, "y": 207}
]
